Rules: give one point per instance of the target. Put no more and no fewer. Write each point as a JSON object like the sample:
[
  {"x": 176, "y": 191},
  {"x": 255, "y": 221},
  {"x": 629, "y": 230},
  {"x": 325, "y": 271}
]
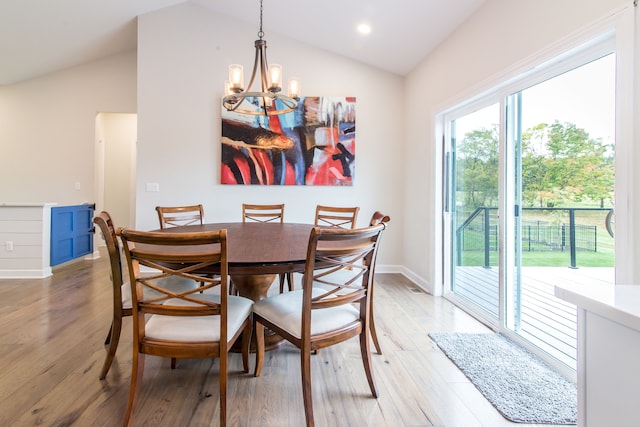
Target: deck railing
[{"x": 488, "y": 240}]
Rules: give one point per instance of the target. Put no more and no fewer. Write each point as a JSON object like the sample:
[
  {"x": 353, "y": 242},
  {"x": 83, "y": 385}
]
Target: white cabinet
[
  {"x": 608, "y": 369},
  {"x": 25, "y": 240}
]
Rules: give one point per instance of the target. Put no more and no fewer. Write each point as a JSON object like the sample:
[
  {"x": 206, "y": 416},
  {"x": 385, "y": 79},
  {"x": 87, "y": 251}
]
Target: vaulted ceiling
[{"x": 41, "y": 36}]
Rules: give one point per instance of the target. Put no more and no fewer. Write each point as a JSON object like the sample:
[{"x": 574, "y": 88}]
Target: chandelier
[{"x": 263, "y": 102}]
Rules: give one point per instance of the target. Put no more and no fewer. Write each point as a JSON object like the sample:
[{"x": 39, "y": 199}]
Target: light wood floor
[{"x": 51, "y": 351}]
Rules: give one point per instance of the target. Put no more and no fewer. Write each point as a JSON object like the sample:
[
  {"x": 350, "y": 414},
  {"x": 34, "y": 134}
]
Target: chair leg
[
  {"x": 246, "y": 346},
  {"x": 112, "y": 339},
  {"x": 173, "y": 362},
  {"x": 290, "y": 281},
  {"x": 374, "y": 335},
  {"x": 365, "y": 352},
  {"x": 259, "y": 334},
  {"x": 137, "y": 369},
  {"x": 305, "y": 367},
  {"x": 223, "y": 387}
]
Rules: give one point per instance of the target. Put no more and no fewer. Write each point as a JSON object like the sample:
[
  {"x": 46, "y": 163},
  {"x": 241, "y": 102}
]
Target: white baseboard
[
  {"x": 419, "y": 281},
  {"x": 26, "y": 274}
]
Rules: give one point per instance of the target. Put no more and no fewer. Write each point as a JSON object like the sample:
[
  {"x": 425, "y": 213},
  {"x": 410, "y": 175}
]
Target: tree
[
  {"x": 477, "y": 167},
  {"x": 560, "y": 164},
  {"x": 560, "y": 161}
]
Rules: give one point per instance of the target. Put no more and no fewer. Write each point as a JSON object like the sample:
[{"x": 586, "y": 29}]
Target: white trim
[
  {"x": 439, "y": 274},
  {"x": 625, "y": 243},
  {"x": 26, "y": 274}
]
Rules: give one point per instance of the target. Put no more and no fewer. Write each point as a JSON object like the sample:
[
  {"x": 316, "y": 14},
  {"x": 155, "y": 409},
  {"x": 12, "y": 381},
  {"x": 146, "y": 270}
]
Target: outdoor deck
[{"x": 546, "y": 321}]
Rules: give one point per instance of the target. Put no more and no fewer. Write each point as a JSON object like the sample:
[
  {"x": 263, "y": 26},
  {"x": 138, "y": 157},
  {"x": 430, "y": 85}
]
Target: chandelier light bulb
[
  {"x": 294, "y": 88},
  {"x": 275, "y": 78},
  {"x": 236, "y": 77},
  {"x": 227, "y": 88}
]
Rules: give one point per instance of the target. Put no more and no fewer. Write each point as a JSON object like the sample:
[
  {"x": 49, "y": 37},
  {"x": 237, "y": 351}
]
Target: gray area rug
[{"x": 520, "y": 385}]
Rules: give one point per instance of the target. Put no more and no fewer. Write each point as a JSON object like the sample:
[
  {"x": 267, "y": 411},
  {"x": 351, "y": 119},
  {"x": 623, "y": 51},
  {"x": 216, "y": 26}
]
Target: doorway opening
[{"x": 116, "y": 135}]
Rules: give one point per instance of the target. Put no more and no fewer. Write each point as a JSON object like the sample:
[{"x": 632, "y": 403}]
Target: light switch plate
[{"x": 152, "y": 187}]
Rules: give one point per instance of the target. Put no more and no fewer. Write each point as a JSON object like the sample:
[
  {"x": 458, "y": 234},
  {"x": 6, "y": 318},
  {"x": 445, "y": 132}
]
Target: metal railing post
[
  {"x": 572, "y": 236},
  {"x": 487, "y": 240},
  {"x": 459, "y": 244}
]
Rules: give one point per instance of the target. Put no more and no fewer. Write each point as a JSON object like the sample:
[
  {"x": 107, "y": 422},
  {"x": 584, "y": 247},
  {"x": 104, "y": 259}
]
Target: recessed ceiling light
[{"x": 364, "y": 29}]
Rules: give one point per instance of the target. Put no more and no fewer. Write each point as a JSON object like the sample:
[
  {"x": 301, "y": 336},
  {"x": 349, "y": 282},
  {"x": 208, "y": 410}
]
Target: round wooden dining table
[{"x": 257, "y": 252}]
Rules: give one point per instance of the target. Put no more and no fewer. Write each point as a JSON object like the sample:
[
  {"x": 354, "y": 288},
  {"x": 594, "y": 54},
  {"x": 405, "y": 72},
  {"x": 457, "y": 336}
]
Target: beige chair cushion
[
  {"x": 199, "y": 328},
  {"x": 286, "y": 310}
]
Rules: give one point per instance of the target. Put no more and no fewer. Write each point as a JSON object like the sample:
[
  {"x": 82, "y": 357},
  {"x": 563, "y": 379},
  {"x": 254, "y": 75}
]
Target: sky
[{"x": 584, "y": 96}]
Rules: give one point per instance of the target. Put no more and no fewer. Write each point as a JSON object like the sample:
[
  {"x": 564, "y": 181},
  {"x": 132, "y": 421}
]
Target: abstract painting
[{"x": 312, "y": 145}]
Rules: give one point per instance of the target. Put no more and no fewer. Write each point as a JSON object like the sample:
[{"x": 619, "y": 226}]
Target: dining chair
[
  {"x": 268, "y": 213},
  {"x": 313, "y": 317},
  {"x": 185, "y": 324},
  {"x": 377, "y": 218},
  {"x": 334, "y": 216},
  {"x": 171, "y": 216},
  {"x": 121, "y": 288}
]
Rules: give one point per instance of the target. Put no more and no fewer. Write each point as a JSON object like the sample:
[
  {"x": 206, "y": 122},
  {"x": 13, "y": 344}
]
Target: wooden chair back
[
  {"x": 120, "y": 287},
  {"x": 377, "y": 218},
  {"x": 172, "y": 216},
  {"x": 176, "y": 255},
  {"x": 341, "y": 262},
  {"x": 262, "y": 213},
  {"x": 109, "y": 233},
  {"x": 339, "y": 217}
]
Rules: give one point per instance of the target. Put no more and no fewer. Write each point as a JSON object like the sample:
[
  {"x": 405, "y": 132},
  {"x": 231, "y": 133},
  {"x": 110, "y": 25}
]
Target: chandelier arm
[
  {"x": 264, "y": 67},
  {"x": 233, "y": 103},
  {"x": 256, "y": 61},
  {"x": 267, "y": 103}
]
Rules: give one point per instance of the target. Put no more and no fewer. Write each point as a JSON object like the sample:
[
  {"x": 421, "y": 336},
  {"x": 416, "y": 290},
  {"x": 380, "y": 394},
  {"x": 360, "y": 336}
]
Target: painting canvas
[{"x": 312, "y": 145}]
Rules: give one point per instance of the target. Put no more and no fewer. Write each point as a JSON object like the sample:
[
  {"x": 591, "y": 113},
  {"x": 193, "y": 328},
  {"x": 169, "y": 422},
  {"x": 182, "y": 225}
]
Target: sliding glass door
[
  {"x": 529, "y": 177},
  {"x": 563, "y": 157}
]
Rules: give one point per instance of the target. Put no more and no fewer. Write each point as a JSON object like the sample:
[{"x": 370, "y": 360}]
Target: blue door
[{"x": 71, "y": 232}]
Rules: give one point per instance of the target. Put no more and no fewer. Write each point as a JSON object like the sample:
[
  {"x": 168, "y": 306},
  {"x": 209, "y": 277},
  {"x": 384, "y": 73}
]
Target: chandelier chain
[{"x": 260, "y": 33}]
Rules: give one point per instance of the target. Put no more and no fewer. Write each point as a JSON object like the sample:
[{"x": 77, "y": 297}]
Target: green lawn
[{"x": 602, "y": 258}]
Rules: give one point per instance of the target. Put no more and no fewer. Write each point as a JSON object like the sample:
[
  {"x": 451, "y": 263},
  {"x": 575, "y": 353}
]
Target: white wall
[
  {"x": 183, "y": 57},
  {"x": 47, "y": 129},
  {"x": 501, "y": 34}
]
